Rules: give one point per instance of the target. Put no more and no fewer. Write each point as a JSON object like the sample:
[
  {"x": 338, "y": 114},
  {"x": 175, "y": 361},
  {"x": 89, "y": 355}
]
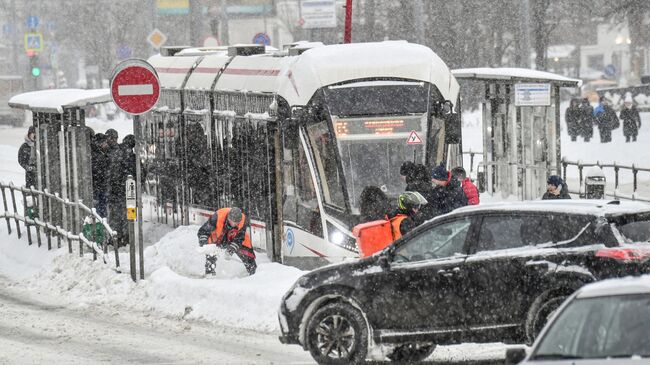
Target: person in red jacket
[
  {"x": 228, "y": 230},
  {"x": 471, "y": 191}
]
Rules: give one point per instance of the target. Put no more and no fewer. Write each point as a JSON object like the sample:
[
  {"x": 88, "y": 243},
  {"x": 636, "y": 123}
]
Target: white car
[{"x": 607, "y": 320}]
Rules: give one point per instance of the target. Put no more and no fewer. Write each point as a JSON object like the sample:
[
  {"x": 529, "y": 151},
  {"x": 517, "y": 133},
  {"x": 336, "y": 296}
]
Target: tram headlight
[{"x": 339, "y": 238}]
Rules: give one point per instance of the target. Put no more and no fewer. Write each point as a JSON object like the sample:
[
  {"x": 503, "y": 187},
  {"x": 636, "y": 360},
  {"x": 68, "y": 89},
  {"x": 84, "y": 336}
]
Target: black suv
[{"x": 480, "y": 274}]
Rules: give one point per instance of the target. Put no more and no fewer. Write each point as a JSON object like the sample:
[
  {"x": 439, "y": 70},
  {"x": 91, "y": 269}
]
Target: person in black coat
[
  {"x": 421, "y": 183},
  {"x": 27, "y": 157},
  {"x": 373, "y": 204},
  {"x": 100, "y": 167},
  {"x": 572, "y": 117},
  {"x": 556, "y": 189},
  {"x": 447, "y": 194},
  {"x": 122, "y": 164},
  {"x": 586, "y": 120},
  {"x": 631, "y": 120},
  {"x": 606, "y": 120}
]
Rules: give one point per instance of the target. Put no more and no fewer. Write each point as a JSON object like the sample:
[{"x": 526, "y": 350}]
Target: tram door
[
  {"x": 499, "y": 174},
  {"x": 303, "y": 222},
  {"x": 535, "y": 130},
  {"x": 197, "y": 154}
]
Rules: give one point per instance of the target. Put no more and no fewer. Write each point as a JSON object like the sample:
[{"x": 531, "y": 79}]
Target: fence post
[
  {"x": 58, "y": 235},
  {"x": 564, "y": 166},
  {"x": 634, "y": 173},
  {"x": 13, "y": 203},
  {"x": 48, "y": 213},
  {"x": 92, "y": 234},
  {"x": 616, "y": 168},
  {"x": 25, "y": 208},
  {"x": 580, "y": 173},
  {"x": 4, "y": 201},
  {"x": 38, "y": 228},
  {"x": 471, "y": 161}
]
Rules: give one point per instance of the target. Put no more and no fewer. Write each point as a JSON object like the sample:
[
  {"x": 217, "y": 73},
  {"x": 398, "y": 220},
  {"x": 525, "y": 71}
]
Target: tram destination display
[{"x": 377, "y": 126}]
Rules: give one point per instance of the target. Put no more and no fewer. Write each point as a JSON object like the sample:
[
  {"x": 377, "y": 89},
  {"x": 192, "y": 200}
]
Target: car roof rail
[{"x": 614, "y": 202}]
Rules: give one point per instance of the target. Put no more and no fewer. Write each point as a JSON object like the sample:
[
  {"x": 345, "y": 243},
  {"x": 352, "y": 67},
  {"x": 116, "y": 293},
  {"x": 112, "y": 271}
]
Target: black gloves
[
  {"x": 232, "y": 248},
  {"x": 203, "y": 240}
]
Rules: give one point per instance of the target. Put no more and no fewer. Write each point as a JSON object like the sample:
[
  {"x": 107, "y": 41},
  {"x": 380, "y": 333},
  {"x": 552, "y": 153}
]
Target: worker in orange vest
[
  {"x": 228, "y": 229},
  {"x": 407, "y": 215}
]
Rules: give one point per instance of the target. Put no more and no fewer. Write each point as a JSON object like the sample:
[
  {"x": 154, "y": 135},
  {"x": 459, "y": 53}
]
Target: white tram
[{"x": 294, "y": 136}]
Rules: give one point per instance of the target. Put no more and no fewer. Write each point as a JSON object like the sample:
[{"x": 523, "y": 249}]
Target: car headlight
[{"x": 339, "y": 238}]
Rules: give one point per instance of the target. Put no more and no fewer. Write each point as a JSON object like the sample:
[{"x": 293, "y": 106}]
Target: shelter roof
[
  {"x": 56, "y": 100},
  {"x": 514, "y": 74}
]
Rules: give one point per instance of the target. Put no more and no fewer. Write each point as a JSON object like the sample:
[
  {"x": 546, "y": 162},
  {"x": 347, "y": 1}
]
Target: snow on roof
[
  {"x": 333, "y": 64},
  {"x": 55, "y": 100},
  {"x": 172, "y": 70},
  {"x": 621, "y": 286},
  {"x": 252, "y": 73},
  {"x": 582, "y": 206},
  {"x": 202, "y": 78},
  {"x": 514, "y": 74}
]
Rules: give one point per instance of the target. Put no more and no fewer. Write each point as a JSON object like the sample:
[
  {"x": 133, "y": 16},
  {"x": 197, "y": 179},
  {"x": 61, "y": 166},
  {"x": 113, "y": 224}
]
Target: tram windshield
[{"x": 379, "y": 125}]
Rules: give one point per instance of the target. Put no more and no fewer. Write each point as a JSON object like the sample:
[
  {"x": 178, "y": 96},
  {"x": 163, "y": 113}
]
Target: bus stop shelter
[
  {"x": 521, "y": 128},
  {"x": 63, "y": 162}
]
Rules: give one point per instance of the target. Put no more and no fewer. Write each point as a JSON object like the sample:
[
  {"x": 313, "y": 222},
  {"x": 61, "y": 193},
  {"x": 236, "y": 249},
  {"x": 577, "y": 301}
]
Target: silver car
[{"x": 608, "y": 320}]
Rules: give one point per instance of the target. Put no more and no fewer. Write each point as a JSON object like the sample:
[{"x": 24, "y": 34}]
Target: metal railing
[
  {"x": 471, "y": 158},
  {"x": 617, "y": 168},
  {"x": 58, "y": 218}
]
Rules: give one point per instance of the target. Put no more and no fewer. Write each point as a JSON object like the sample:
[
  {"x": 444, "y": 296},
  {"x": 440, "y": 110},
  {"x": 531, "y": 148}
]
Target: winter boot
[{"x": 210, "y": 264}]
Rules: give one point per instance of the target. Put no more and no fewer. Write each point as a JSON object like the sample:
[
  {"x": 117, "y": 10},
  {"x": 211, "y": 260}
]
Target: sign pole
[
  {"x": 138, "y": 189},
  {"x": 135, "y": 89},
  {"x": 131, "y": 216}
]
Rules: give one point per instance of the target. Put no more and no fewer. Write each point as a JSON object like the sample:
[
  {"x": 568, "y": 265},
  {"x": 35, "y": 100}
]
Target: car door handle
[{"x": 448, "y": 273}]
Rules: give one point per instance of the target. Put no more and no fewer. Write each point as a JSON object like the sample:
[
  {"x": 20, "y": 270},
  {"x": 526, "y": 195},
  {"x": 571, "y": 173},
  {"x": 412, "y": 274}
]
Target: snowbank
[{"x": 174, "y": 283}]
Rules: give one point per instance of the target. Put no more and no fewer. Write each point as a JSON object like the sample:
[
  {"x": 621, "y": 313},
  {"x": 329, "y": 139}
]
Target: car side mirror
[
  {"x": 515, "y": 355},
  {"x": 384, "y": 262}
]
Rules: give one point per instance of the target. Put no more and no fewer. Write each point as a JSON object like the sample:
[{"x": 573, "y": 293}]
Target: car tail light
[{"x": 624, "y": 254}]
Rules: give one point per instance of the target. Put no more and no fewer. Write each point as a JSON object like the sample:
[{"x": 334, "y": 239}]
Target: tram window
[
  {"x": 324, "y": 150},
  {"x": 392, "y": 99},
  {"x": 436, "y": 142}
]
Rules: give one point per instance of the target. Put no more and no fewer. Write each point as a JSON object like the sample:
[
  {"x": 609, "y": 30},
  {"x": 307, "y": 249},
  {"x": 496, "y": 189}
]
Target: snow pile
[{"x": 174, "y": 282}]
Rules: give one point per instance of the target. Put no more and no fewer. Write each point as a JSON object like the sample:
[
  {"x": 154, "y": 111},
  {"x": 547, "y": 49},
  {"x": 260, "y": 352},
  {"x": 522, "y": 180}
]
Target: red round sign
[{"x": 135, "y": 88}]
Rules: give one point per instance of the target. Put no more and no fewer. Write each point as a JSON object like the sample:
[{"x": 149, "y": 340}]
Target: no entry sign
[{"x": 134, "y": 86}]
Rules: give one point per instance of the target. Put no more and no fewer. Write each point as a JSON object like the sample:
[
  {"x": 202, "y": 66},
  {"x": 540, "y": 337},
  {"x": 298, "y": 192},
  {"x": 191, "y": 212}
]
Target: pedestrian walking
[
  {"x": 373, "y": 204},
  {"x": 572, "y": 117},
  {"x": 228, "y": 228},
  {"x": 604, "y": 117},
  {"x": 631, "y": 119},
  {"x": 27, "y": 157}
]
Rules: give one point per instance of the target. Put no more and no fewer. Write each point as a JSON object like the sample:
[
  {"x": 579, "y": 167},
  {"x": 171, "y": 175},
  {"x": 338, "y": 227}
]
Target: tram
[{"x": 293, "y": 137}]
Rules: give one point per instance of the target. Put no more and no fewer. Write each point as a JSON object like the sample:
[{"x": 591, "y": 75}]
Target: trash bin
[
  {"x": 98, "y": 231},
  {"x": 594, "y": 183}
]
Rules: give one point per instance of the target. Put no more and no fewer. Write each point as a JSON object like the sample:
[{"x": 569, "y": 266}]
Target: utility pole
[
  {"x": 418, "y": 14},
  {"x": 14, "y": 38},
  {"x": 347, "y": 36},
  {"x": 524, "y": 34},
  {"x": 196, "y": 23}
]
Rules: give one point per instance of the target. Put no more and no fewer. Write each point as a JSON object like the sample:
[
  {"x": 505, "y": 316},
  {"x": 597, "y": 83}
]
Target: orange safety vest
[
  {"x": 395, "y": 222},
  {"x": 217, "y": 234}
]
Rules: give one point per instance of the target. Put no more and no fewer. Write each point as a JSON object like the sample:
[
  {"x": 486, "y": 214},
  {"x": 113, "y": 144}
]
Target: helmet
[
  {"x": 410, "y": 199},
  {"x": 235, "y": 215}
]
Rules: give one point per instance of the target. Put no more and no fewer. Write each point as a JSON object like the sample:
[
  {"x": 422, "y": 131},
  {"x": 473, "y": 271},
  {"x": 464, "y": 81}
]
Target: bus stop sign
[{"x": 134, "y": 86}]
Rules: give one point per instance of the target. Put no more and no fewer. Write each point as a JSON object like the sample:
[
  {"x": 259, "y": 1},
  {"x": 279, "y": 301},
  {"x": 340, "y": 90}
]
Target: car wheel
[
  {"x": 411, "y": 352},
  {"x": 337, "y": 334},
  {"x": 540, "y": 315}
]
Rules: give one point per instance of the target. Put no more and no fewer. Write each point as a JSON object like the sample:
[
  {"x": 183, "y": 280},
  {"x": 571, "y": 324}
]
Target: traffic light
[{"x": 35, "y": 65}]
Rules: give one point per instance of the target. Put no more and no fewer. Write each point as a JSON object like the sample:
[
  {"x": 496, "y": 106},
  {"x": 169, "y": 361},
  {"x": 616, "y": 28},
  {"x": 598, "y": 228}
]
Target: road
[{"x": 35, "y": 331}]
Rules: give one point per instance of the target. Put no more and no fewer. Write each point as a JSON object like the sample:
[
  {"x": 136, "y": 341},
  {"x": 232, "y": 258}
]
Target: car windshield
[
  {"x": 633, "y": 228},
  {"x": 598, "y": 328}
]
